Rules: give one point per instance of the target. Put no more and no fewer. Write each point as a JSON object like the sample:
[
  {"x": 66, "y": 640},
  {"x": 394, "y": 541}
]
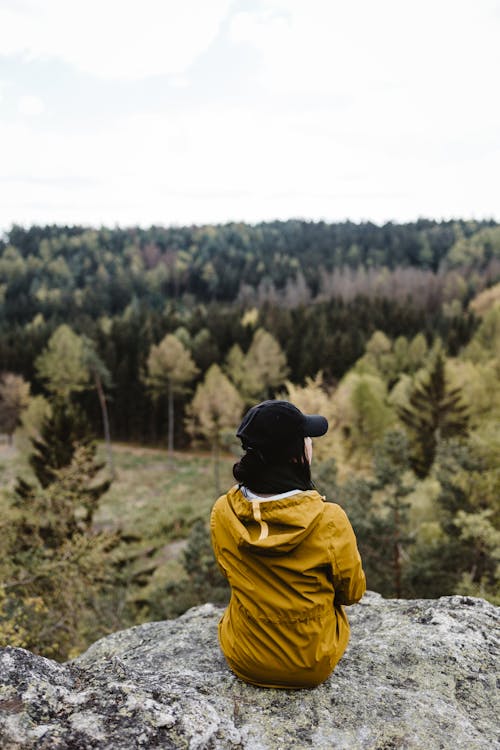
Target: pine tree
[
  {"x": 14, "y": 398},
  {"x": 435, "y": 412},
  {"x": 379, "y": 512},
  {"x": 55, "y": 446},
  {"x": 391, "y": 465},
  {"x": 464, "y": 556},
  {"x": 62, "y": 434},
  {"x": 60, "y": 590}
]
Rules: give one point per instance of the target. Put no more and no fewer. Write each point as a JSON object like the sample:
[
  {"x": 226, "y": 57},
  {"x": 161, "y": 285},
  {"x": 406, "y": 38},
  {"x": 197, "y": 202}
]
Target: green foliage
[
  {"x": 215, "y": 409},
  {"x": 391, "y": 359},
  {"x": 435, "y": 412},
  {"x": 363, "y": 415},
  {"x": 169, "y": 366},
  {"x": 203, "y": 582},
  {"x": 235, "y": 368},
  {"x": 14, "y": 399},
  {"x": 274, "y": 301},
  {"x": 321, "y": 291},
  {"x": 62, "y": 432},
  {"x": 394, "y": 483},
  {"x": 485, "y": 344},
  {"x": 216, "y": 406},
  {"x": 258, "y": 373},
  {"x": 58, "y": 588},
  {"x": 379, "y": 512},
  {"x": 464, "y": 556},
  {"x": 486, "y": 300},
  {"x": 62, "y": 364},
  {"x": 477, "y": 250}
]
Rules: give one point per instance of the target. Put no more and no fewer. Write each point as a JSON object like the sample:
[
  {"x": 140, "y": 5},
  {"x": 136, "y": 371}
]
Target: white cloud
[
  {"x": 363, "y": 110},
  {"x": 332, "y": 47},
  {"x": 232, "y": 165},
  {"x": 30, "y": 105},
  {"x": 120, "y": 39}
]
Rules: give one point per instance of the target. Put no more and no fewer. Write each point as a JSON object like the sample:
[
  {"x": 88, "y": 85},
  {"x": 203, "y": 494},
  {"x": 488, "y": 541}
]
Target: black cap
[{"x": 277, "y": 427}]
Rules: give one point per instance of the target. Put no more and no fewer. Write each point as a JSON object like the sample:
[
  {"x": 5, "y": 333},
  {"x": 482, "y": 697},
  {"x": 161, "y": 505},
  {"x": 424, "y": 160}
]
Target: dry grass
[{"x": 153, "y": 498}]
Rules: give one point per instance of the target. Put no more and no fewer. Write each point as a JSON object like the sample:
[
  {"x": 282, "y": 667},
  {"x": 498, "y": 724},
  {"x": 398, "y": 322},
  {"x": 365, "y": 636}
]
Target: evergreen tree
[
  {"x": 391, "y": 468},
  {"x": 434, "y": 412},
  {"x": 464, "y": 556},
  {"x": 201, "y": 567},
  {"x": 63, "y": 432},
  {"x": 378, "y": 510},
  {"x": 59, "y": 589},
  {"x": 373, "y": 531},
  {"x": 54, "y": 448},
  {"x": 14, "y": 399}
]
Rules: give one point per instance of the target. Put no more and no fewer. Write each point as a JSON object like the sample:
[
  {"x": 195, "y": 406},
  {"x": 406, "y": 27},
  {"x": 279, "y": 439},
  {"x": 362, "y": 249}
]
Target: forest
[{"x": 162, "y": 337}]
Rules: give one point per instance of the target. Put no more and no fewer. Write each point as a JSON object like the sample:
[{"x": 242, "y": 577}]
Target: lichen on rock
[{"x": 417, "y": 674}]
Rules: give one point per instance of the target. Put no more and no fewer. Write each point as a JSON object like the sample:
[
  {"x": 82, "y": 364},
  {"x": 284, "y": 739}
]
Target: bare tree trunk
[
  {"x": 105, "y": 421},
  {"x": 170, "y": 424}
]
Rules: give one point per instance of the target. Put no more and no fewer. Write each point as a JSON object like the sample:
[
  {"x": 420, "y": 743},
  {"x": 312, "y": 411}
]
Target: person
[{"x": 291, "y": 558}]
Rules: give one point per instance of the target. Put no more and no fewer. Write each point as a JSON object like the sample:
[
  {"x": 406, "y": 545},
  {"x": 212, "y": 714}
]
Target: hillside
[{"x": 320, "y": 289}]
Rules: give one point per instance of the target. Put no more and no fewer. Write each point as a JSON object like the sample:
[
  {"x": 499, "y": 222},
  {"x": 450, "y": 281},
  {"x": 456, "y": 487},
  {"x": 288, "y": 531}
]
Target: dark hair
[{"x": 273, "y": 475}]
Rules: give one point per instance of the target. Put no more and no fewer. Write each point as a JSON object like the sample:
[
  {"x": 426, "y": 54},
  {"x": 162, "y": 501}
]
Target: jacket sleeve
[
  {"x": 348, "y": 576},
  {"x": 213, "y": 537}
]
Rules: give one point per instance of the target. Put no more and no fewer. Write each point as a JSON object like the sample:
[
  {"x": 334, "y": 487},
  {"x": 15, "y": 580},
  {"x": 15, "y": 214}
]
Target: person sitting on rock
[{"x": 291, "y": 558}]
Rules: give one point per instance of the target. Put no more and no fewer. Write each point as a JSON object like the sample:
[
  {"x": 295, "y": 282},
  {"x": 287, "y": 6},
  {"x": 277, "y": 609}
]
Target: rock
[{"x": 417, "y": 674}]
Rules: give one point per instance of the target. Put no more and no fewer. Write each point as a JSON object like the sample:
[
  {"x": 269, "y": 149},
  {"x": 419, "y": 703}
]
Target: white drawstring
[{"x": 264, "y": 528}]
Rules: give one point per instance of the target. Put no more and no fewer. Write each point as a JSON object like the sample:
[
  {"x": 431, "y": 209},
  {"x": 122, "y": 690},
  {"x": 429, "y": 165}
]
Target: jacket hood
[{"x": 273, "y": 527}]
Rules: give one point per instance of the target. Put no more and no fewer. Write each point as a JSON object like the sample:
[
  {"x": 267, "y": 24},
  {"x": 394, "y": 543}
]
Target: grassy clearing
[{"x": 151, "y": 498}]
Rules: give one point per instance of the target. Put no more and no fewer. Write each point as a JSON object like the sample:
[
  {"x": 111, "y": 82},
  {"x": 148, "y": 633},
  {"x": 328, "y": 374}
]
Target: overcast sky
[{"x": 207, "y": 111}]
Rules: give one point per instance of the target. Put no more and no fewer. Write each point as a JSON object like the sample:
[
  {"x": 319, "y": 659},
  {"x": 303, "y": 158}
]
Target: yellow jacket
[{"x": 291, "y": 563}]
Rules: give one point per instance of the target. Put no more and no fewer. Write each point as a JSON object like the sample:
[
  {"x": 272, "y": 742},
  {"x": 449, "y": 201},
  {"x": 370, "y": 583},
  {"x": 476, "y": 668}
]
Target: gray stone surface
[{"x": 417, "y": 674}]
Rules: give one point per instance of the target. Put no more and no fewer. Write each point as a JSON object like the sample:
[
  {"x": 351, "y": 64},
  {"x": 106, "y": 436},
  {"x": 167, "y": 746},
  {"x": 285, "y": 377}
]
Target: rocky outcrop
[{"x": 417, "y": 674}]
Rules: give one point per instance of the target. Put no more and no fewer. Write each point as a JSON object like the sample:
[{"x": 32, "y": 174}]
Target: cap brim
[{"x": 315, "y": 425}]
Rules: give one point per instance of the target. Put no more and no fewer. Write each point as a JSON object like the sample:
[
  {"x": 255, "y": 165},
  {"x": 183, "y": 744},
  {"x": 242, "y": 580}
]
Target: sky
[{"x": 175, "y": 112}]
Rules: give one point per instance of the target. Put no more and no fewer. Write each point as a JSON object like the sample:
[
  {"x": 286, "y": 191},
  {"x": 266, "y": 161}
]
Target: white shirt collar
[{"x": 252, "y": 496}]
